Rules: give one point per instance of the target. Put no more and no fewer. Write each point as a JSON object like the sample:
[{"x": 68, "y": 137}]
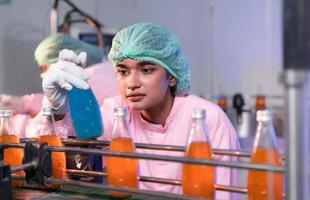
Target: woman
[{"x": 154, "y": 81}]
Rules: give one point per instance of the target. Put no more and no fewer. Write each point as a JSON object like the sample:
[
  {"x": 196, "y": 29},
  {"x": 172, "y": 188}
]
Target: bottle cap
[
  {"x": 198, "y": 113},
  {"x": 119, "y": 111},
  {"x": 47, "y": 111},
  {"x": 263, "y": 115},
  {"x": 5, "y": 113}
]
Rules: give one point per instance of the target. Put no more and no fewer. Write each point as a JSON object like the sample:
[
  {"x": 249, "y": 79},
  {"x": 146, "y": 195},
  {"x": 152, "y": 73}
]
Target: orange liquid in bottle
[
  {"x": 13, "y": 156},
  {"x": 58, "y": 158},
  {"x": 222, "y": 102},
  {"x": 198, "y": 180},
  {"x": 262, "y": 184},
  {"x": 122, "y": 172},
  {"x": 260, "y": 103}
]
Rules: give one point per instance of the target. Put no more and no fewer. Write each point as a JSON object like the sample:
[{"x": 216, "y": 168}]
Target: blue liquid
[{"x": 85, "y": 113}]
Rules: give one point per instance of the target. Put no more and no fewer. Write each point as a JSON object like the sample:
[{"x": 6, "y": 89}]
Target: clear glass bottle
[
  {"x": 264, "y": 185},
  {"x": 122, "y": 172},
  {"x": 85, "y": 113},
  {"x": 198, "y": 180},
  {"x": 48, "y": 134},
  {"x": 12, "y": 156}
]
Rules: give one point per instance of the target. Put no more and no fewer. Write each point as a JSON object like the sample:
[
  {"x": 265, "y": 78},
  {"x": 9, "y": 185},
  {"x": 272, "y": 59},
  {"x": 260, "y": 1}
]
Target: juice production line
[{"x": 37, "y": 171}]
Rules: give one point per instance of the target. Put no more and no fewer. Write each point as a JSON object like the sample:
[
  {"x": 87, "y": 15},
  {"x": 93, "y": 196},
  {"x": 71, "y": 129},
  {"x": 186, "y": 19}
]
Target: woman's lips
[{"x": 135, "y": 97}]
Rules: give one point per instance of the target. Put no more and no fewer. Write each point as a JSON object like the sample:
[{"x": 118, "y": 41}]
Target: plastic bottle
[
  {"x": 263, "y": 185},
  {"x": 48, "y": 134},
  {"x": 12, "y": 156},
  {"x": 198, "y": 180},
  {"x": 122, "y": 172},
  {"x": 85, "y": 113}
]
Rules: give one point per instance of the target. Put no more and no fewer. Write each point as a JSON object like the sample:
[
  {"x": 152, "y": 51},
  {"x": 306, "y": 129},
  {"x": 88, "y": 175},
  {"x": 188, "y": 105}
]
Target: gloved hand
[
  {"x": 61, "y": 77},
  {"x": 15, "y": 103}
]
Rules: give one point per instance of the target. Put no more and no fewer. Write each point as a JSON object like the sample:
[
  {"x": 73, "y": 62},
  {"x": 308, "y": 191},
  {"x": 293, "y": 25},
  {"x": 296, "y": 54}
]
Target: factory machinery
[
  {"x": 37, "y": 156},
  {"x": 38, "y": 171}
]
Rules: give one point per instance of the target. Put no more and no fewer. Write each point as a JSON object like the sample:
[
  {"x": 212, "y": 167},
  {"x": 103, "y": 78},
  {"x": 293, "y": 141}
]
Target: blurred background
[{"x": 232, "y": 46}]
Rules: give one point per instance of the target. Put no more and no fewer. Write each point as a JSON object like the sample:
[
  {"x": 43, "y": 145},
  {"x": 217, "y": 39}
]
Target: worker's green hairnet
[
  {"x": 152, "y": 42},
  {"x": 47, "y": 51}
]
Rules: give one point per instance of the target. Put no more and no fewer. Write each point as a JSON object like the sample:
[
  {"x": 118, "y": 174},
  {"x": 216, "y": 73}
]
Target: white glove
[
  {"x": 15, "y": 103},
  {"x": 61, "y": 77}
]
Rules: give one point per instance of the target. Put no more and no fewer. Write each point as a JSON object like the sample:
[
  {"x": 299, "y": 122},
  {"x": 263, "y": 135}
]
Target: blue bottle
[{"x": 85, "y": 113}]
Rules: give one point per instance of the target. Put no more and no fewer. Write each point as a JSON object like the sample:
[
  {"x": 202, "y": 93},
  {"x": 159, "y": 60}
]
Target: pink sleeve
[
  {"x": 33, "y": 103},
  {"x": 64, "y": 127},
  {"x": 21, "y": 121}
]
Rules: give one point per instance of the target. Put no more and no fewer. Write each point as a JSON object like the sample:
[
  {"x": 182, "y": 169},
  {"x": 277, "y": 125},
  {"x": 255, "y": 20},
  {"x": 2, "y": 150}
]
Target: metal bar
[
  {"x": 119, "y": 189},
  {"x": 296, "y": 133},
  {"x": 149, "y": 146},
  {"x": 168, "y": 158},
  {"x": 18, "y": 177},
  {"x": 33, "y": 164},
  {"x": 157, "y": 147},
  {"x": 12, "y": 145},
  {"x": 24, "y": 140},
  {"x": 241, "y": 190},
  {"x": 157, "y": 180},
  {"x": 231, "y": 189}
]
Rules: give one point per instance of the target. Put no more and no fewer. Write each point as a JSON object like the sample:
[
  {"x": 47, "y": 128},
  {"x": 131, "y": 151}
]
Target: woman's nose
[{"x": 133, "y": 81}]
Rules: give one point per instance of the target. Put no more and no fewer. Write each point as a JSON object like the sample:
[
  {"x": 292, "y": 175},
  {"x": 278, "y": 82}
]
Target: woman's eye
[
  {"x": 147, "y": 70},
  {"x": 122, "y": 72}
]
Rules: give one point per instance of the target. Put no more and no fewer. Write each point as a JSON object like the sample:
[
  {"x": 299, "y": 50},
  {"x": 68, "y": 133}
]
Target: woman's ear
[{"x": 173, "y": 81}]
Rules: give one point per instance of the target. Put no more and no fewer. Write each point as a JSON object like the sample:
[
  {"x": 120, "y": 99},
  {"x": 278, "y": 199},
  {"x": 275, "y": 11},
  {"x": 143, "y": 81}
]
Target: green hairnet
[
  {"x": 47, "y": 51},
  {"x": 152, "y": 42}
]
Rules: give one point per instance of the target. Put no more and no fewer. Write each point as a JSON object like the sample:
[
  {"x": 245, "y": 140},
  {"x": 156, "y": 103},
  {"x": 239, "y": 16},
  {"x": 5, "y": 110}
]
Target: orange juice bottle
[
  {"x": 48, "y": 134},
  {"x": 260, "y": 102},
  {"x": 12, "y": 156},
  {"x": 264, "y": 185},
  {"x": 121, "y": 172},
  {"x": 222, "y": 102},
  {"x": 198, "y": 180}
]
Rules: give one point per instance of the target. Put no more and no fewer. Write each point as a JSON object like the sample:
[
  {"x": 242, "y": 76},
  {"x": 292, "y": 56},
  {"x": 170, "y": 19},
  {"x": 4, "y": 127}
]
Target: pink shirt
[
  {"x": 175, "y": 132},
  {"x": 32, "y": 103}
]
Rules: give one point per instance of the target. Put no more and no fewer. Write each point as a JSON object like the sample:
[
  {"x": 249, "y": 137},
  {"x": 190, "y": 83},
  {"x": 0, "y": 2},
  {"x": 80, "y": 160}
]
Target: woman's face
[{"x": 143, "y": 85}]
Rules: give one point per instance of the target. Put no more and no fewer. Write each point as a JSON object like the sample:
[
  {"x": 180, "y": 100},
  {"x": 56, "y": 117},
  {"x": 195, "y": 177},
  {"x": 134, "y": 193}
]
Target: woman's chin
[{"x": 136, "y": 105}]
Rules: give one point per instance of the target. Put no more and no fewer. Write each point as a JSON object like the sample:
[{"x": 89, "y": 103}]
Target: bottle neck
[
  {"x": 120, "y": 127},
  {"x": 198, "y": 132},
  {"x": 265, "y": 135},
  {"x": 47, "y": 126},
  {"x": 6, "y": 127}
]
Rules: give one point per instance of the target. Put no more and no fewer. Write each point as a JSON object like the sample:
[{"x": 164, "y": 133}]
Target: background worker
[{"x": 102, "y": 79}]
